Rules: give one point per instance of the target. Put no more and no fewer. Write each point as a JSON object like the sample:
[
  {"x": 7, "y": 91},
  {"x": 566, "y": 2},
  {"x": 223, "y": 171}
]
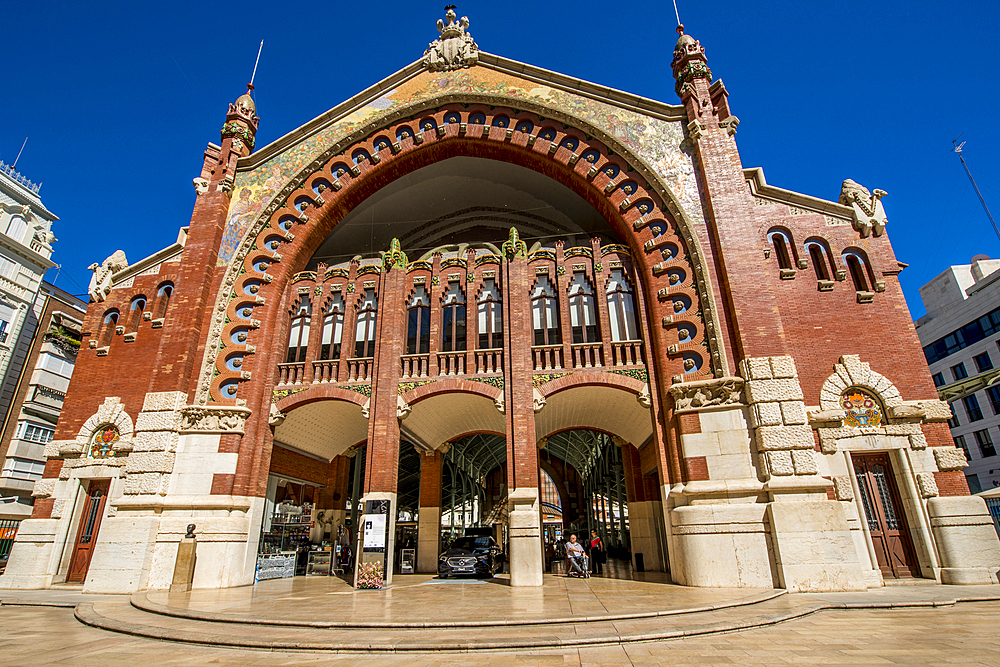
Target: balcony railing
[
  {"x": 291, "y": 373},
  {"x": 325, "y": 371},
  {"x": 451, "y": 363},
  {"x": 415, "y": 365},
  {"x": 588, "y": 355},
  {"x": 360, "y": 368},
  {"x": 548, "y": 357},
  {"x": 489, "y": 361},
  {"x": 627, "y": 353}
]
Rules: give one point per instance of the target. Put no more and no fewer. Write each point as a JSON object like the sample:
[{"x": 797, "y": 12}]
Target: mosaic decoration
[
  {"x": 103, "y": 440},
  {"x": 407, "y": 386},
  {"x": 862, "y": 409},
  {"x": 634, "y": 373},
  {"x": 538, "y": 380},
  {"x": 657, "y": 141},
  {"x": 493, "y": 381},
  {"x": 279, "y": 394}
]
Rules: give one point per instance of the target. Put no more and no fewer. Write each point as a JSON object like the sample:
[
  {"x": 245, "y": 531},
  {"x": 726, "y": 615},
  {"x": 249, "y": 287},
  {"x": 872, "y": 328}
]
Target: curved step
[
  {"x": 142, "y": 602},
  {"x": 119, "y": 616}
]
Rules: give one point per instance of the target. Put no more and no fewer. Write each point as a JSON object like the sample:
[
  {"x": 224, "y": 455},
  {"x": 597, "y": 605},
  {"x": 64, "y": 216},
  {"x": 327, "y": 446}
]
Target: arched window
[
  {"x": 490, "y": 310},
  {"x": 135, "y": 313},
  {"x": 621, "y": 307},
  {"x": 418, "y": 330},
  {"x": 820, "y": 257},
  {"x": 108, "y": 325},
  {"x": 858, "y": 268},
  {"x": 298, "y": 332},
  {"x": 364, "y": 338},
  {"x": 782, "y": 248},
  {"x": 163, "y": 294},
  {"x": 453, "y": 319},
  {"x": 545, "y": 313},
  {"x": 333, "y": 328},
  {"x": 583, "y": 310}
]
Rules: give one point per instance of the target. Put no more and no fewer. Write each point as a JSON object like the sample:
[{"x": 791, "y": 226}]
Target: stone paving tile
[{"x": 964, "y": 634}]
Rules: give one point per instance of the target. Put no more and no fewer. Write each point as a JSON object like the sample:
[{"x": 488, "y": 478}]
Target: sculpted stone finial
[
  {"x": 869, "y": 215},
  {"x": 100, "y": 282},
  {"x": 455, "y": 48}
]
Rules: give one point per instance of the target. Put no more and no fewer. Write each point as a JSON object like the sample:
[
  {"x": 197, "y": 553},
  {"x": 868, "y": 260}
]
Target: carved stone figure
[
  {"x": 100, "y": 282},
  {"x": 706, "y": 393},
  {"x": 455, "y": 48},
  {"x": 869, "y": 215}
]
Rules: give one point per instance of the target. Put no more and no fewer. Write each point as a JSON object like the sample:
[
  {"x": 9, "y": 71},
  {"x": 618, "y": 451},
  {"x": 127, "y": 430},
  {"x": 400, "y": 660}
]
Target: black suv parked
[{"x": 478, "y": 555}]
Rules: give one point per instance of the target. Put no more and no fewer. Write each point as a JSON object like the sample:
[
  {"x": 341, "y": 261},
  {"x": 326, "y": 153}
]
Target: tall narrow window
[
  {"x": 333, "y": 328},
  {"x": 163, "y": 294},
  {"x": 782, "y": 248},
  {"x": 298, "y": 332},
  {"x": 418, "y": 330},
  {"x": 545, "y": 313},
  {"x": 820, "y": 258},
  {"x": 621, "y": 307},
  {"x": 858, "y": 268},
  {"x": 972, "y": 408},
  {"x": 985, "y": 443},
  {"x": 453, "y": 319},
  {"x": 583, "y": 310},
  {"x": 364, "y": 337},
  {"x": 490, "y": 311},
  {"x": 135, "y": 313},
  {"x": 108, "y": 325}
]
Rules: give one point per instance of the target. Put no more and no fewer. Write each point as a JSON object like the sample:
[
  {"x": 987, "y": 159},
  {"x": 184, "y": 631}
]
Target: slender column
[
  {"x": 429, "y": 517},
  {"x": 382, "y": 464},
  {"x": 436, "y": 336},
  {"x": 601, "y": 301},
  {"x": 347, "y": 341},
  {"x": 522, "y": 453},
  {"x": 315, "y": 341}
]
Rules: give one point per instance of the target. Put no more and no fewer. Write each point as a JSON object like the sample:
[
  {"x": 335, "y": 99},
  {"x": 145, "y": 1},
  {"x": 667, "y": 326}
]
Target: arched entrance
[{"x": 579, "y": 297}]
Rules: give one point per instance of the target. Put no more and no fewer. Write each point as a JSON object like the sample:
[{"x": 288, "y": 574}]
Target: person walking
[{"x": 596, "y": 553}]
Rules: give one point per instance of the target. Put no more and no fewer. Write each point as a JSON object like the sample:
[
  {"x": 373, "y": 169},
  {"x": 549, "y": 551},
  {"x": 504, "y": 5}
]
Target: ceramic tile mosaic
[{"x": 657, "y": 141}]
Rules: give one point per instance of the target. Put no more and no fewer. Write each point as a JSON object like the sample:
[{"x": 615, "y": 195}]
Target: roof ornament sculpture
[
  {"x": 455, "y": 48},
  {"x": 394, "y": 258},
  {"x": 869, "y": 215},
  {"x": 100, "y": 282},
  {"x": 514, "y": 247}
]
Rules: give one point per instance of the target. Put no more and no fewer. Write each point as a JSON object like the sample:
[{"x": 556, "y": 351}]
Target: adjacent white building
[
  {"x": 961, "y": 338},
  {"x": 25, "y": 248},
  {"x": 40, "y": 388}
]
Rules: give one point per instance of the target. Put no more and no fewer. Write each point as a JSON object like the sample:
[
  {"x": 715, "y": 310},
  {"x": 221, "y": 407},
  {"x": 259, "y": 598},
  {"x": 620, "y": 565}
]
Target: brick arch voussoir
[
  {"x": 619, "y": 184},
  {"x": 451, "y": 386},
  {"x": 320, "y": 393},
  {"x": 592, "y": 379}
]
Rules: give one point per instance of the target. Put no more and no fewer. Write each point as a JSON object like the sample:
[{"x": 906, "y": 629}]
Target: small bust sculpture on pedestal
[{"x": 190, "y": 532}]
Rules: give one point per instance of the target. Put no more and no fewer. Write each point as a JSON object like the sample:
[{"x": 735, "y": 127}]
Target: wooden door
[
  {"x": 884, "y": 512},
  {"x": 86, "y": 535}
]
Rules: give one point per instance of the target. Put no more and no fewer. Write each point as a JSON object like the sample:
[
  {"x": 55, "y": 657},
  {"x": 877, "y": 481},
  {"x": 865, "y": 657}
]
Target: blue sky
[{"x": 120, "y": 99}]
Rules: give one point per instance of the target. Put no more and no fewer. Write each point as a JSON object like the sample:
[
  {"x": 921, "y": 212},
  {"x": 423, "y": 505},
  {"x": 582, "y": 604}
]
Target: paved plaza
[{"x": 914, "y": 625}]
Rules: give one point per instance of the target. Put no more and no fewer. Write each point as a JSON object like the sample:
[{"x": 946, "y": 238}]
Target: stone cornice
[{"x": 760, "y": 189}]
